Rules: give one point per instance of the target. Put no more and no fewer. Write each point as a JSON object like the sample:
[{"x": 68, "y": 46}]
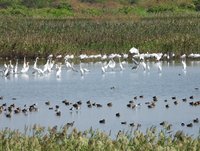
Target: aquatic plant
[{"x": 51, "y": 139}]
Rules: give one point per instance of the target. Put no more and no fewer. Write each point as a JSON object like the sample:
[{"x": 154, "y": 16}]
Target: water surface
[{"x": 118, "y": 87}]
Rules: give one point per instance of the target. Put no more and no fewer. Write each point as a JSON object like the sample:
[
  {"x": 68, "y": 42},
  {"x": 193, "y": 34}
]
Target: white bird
[
  {"x": 58, "y": 72},
  {"x": 51, "y": 64},
  {"x": 104, "y": 57},
  {"x": 136, "y": 64},
  {"x": 125, "y": 56},
  {"x": 103, "y": 69},
  {"x": 11, "y": 67},
  {"x": 112, "y": 64},
  {"x": 158, "y": 56},
  {"x": 25, "y": 68},
  {"x": 40, "y": 71},
  {"x": 83, "y": 70},
  {"x": 143, "y": 65},
  {"x": 134, "y": 51},
  {"x": 184, "y": 65},
  {"x": 59, "y": 56},
  {"x": 7, "y": 71},
  {"x": 120, "y": 64},
  {"x": 148, "y": 67},
  {"x": 5, "y": 65},
  {"x": 35, "y": 63},
  {"x": 68, "y": 65},
  {"x": 50, "y": 56},
  {"x": 46, "y": 66},
  {"x": 183, "y": 56},
  {"x": 16, "y": 67},
  {"x": 159, "y": 65},
  {"x": 24, "y": 65}
]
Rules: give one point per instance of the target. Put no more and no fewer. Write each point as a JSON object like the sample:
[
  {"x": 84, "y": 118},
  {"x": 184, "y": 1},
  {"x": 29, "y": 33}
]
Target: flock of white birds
[{"x": 139, "y": 60}]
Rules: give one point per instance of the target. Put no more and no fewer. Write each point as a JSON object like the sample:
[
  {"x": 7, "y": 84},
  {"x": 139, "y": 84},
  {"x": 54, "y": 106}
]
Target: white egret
[
  {"x": 24, "y": 65},
  {"x": 148, "y": 67},
  {"x": 184, "y": 65},
  {"x": 11, "y": 64},
  {"x": 16, "y": 67},
  {"x": 68, "y": 65},
  {"x": 134, "y": 51},
  {"x": 103, "y": 68},
  {"x": 104, "y": 57},
  {"x": 183, "y": 56},
  {"x": 136, "y": 64},
  {"x": 7, "y": 71},
  {"x": 58, "y": 56},
  {"x": 46, "y": 66},
  {"x": 158, "y": 56},
  {"x": 159, "y": 65},
  {"x": 83, "y": 70},
  {"x": 40, "y": 71},
  {"x": 120, "y": 64},
  {"x": 58, "y": 72},
  {"x": 112, "y": 64},
  {"x": 35, "y": 63},
  {"x": 5, "y": 65},
  {"x": 25, "y": 68},
  {"x": 50, "y": 56},
  {"x": 143, "y": 65},
  {"x": 125, "y": 56},
  {"x": 51, "y": 64}
]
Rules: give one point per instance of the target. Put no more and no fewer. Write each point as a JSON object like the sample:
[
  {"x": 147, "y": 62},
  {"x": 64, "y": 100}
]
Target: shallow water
[{"x": 172, "y": 81}]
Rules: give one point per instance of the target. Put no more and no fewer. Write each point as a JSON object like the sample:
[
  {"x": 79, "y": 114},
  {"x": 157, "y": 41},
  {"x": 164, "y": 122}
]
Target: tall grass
[
  {"x": 55, "y": 139},
  {"x": 157, "y": 33}
]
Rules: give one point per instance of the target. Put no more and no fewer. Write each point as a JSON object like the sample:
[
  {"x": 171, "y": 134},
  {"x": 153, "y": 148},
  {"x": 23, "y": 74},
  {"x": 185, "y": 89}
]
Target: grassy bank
[
  {"x": 64, "y": 8},
  {"x": 157, "y": 33},
  {"x": 60, "y": 139}
]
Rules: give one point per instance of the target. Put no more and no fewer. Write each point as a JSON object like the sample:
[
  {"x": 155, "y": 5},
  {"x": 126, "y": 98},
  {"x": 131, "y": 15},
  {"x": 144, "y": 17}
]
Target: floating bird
[
  {"x": 117, "y": 114},
  {"x": 102, "y": 121}
]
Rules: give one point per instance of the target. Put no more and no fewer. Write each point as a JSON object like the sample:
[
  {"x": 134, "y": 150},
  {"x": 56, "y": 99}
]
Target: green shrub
[
  {"x": 36, "y": 3},
  {"x": 126, "y": 10},
  {"x": 187, "y": 6},
  {"x": 197, "y": 4},
  {"x": 133, "y": 1},
  {"x": 5, "y": 4},
  {"x": 161, "y": 9},
  {"x": 92, "y": 1},
  {"x": 61, "y": 5}
]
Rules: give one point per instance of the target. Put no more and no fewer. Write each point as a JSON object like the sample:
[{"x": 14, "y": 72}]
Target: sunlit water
[{"x": 95, "y": 86}]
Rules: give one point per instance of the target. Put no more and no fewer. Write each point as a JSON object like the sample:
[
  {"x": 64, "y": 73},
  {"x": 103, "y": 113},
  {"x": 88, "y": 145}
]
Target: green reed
[
  {"x": 157, "y": 33},
  {"x": 63, "y": 138}
]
